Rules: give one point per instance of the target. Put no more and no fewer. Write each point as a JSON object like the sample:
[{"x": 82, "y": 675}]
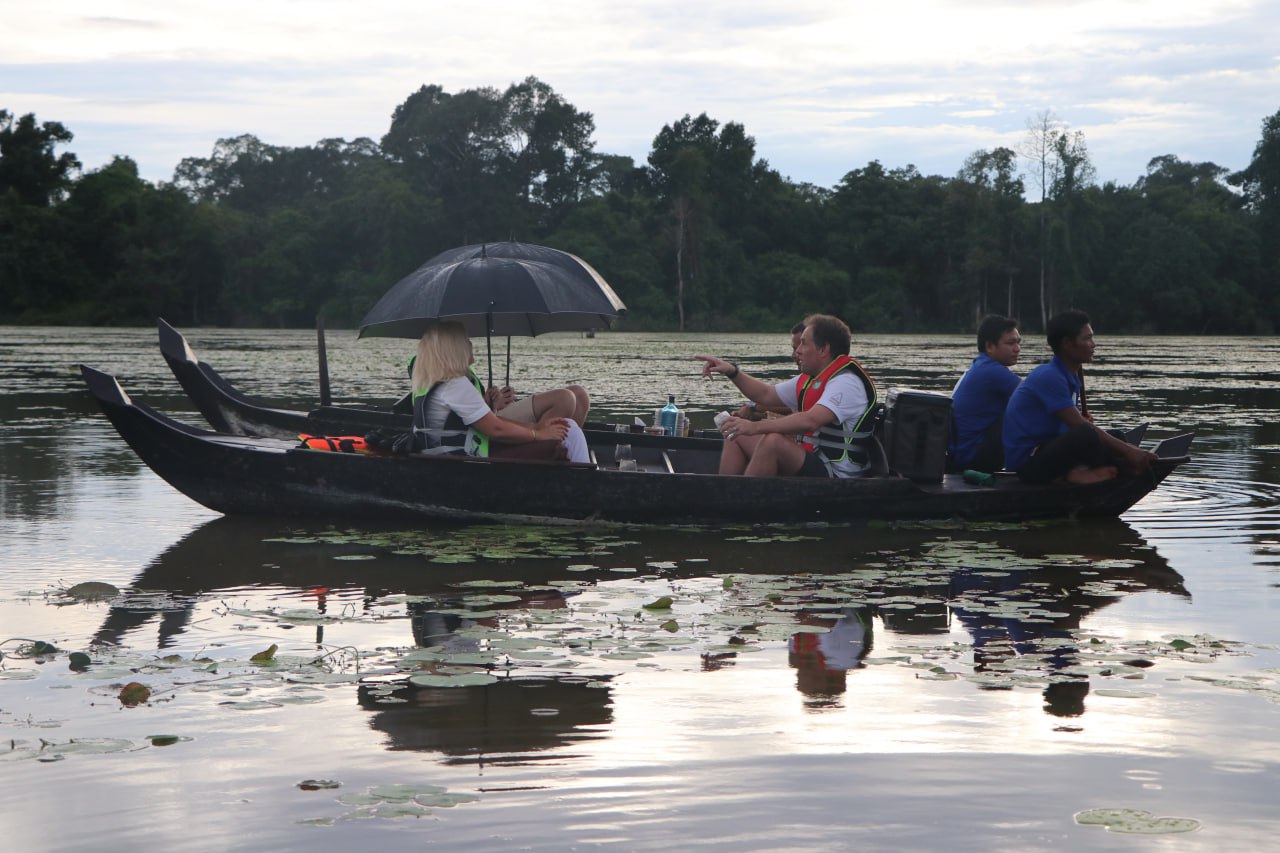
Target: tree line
[{"x": 704, "y": 235}]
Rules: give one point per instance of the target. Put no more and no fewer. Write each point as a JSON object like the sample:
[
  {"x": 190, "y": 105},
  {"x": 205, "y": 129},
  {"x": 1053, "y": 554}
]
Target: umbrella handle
[{"x": 488, "y": 340}]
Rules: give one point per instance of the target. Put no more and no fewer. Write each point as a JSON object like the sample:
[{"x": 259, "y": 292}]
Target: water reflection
[
  {"x": 513, "y": 721},
  {"x": 822, "y": 660},
  {"x": 1023, "y": 613},
  {"x": 1006, "y": 607}
]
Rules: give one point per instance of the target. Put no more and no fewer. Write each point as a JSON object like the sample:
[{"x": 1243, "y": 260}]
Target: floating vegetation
[
  {"x": 91, "y": 591},
  {"x": 473, "y": 543},
  {"x": 388, "y": 801},
  {"x": 133, "y": 694},
  {"x": 1135, "y": 821}
]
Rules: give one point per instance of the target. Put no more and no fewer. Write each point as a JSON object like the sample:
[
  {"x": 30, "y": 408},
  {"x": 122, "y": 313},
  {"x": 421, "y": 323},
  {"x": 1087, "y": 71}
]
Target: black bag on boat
[{"x": 386, "y": 441}]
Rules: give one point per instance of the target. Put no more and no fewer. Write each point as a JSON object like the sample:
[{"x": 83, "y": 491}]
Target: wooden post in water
[{"x": 324, "y": 361}]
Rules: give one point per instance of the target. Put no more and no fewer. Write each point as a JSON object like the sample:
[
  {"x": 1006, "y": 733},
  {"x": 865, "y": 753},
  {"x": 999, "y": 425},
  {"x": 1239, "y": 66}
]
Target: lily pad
[
  {"x": 134, "y": 694},
  {"x": 91, "y": 591},
  {"x": 1135, "y": 821}
]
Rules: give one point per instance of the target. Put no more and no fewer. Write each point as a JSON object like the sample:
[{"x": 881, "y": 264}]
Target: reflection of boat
[
  {"x": 1019, "y": 620},
  {"x": 237, "y": 554},
  {"x": 493, "y": 721},
  {"x": 674, "y": 481}
]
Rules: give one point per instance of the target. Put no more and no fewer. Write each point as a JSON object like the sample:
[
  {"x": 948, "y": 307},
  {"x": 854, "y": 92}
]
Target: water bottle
[{"x": 669, "y": 416}]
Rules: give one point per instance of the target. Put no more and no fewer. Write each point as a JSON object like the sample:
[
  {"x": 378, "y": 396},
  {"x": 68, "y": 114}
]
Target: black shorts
[
  {"x": 1079, "y": 445},
  {"x": 813, "y": 466}
]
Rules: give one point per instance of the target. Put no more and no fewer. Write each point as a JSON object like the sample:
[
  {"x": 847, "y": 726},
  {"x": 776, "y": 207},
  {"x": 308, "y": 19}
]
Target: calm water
[{"x": 914, "y": 687}]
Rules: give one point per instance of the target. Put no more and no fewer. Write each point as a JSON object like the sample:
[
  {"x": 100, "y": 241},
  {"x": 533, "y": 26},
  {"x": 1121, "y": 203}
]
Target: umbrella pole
[
  {"x": 488, "y": 340},
  {"x": 508, "y": 382},
  {"x": 324, "y": 361}
]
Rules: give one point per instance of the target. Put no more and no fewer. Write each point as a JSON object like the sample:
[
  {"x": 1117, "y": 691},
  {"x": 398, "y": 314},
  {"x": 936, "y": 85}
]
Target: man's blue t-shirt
[
  {"x": 977, "y": 402},
  {"x": 1029, "y": 419}
]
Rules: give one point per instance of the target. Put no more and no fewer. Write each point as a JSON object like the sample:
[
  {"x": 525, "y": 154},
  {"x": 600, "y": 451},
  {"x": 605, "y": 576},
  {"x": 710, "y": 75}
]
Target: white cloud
[{"x": 822, "y": 86}]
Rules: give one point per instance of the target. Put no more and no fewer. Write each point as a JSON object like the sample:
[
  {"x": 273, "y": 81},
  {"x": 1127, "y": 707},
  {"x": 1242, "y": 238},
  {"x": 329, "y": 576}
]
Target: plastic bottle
[
  {"x": 669, "y": 416},
  {"x": 979, "y": 478}
]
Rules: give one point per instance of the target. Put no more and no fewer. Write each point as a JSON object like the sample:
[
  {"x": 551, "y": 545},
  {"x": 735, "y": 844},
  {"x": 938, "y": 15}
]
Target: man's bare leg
[
  {"x": 775, "y": 455},
  {"x": 736, "y": 453}
]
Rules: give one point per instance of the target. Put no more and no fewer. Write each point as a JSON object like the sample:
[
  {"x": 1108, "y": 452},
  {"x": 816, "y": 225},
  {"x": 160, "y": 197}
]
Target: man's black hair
[
  {"x": 830, "y": 331},
  {"x": 1064, "y": 326},
  {"x": 992, "y": 329},
  {"x": 798, "y": 328}
]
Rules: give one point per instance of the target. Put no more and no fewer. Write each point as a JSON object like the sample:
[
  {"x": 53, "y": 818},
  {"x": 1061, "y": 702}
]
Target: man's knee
[{"x": 777, "y": 442}]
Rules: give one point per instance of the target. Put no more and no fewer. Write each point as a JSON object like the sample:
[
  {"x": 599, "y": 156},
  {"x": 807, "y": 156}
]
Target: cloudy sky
[{"x": 824, "y": 86}]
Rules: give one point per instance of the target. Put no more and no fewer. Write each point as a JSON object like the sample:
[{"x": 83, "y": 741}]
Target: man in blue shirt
[
  {"x": 1047, "y": 436},
  {"x": 979, "y": 398}
]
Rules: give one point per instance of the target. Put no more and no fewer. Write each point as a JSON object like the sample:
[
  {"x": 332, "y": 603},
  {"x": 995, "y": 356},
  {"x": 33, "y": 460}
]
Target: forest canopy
[{"x": 704, "y": 235}]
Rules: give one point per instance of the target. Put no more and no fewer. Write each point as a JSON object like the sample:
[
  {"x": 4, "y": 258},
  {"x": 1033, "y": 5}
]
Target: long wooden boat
[{"x": 674, "y": 481}]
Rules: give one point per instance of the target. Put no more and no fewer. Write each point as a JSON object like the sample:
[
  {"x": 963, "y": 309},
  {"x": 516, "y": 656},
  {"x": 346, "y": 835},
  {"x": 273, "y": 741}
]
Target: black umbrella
[{"x": 496, "y": 289}]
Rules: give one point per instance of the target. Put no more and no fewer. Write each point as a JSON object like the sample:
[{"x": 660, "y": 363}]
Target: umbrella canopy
[{"x": 496, "y": 289}]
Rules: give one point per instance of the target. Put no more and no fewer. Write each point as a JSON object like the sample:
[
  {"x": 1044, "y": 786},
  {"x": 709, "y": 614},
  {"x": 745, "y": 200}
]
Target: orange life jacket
[
  {"x": 840, "y": 440},
  {"x": 337, "y": 443}
]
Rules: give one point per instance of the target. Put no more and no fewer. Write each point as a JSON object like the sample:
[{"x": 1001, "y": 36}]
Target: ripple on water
[{"x": 1214, "y": 497}]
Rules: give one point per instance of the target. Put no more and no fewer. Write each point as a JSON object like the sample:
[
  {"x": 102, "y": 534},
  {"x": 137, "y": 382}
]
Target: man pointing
[{"x": 830, "y": 400}]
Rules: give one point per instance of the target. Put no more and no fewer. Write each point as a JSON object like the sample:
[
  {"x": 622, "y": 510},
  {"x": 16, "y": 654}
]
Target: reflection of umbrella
[
  {"x": 496, "y": 289},
  {"x": 493, "y": 719}
]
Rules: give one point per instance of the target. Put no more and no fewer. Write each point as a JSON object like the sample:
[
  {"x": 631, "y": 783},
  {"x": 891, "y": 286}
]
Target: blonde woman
[{"x": 449, "y": 408}]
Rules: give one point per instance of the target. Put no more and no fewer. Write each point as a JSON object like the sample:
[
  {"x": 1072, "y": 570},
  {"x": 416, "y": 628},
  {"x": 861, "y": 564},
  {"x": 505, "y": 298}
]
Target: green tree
[
  {"x": 1260, "y": 183},
  {"x": 992, "y": 193},
  {"x": 504, "y": 165},
  {"x": 706, "y": 179},
  {"x": 887, "y": 231},
  {"x": 35, "y": 262},
  {"x": 29, "y": 166}
]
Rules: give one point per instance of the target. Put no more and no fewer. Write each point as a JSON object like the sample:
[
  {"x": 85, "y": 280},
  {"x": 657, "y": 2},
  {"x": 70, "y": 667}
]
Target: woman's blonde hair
[{"x": 444, "y": 352}]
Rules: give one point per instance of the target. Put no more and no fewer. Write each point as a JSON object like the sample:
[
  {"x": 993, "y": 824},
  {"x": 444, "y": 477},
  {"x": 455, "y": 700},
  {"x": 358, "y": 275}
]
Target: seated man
[
  {"x": 979, "y": 398},
  {"x": 829, "y": 404},
  {"x": 753, "y": 412},
  {"x": 1047, "y": 436}
]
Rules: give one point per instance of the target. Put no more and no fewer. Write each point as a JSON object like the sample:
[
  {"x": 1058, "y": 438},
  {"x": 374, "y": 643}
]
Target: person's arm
[
  {"x": 757, "y": 390},
  {"x": 499, "y": 398},
  {"x": 753, "y": 412},
  {"x": 796, "y": 423},
  {"x": 500, "y": 429},
  {"x": 1137, "y": 458},
  {"x": 467, "y": 403}
]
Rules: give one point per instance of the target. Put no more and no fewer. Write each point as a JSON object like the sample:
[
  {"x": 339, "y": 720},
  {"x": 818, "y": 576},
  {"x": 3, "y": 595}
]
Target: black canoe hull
[{"x": 262, "y": 476}]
